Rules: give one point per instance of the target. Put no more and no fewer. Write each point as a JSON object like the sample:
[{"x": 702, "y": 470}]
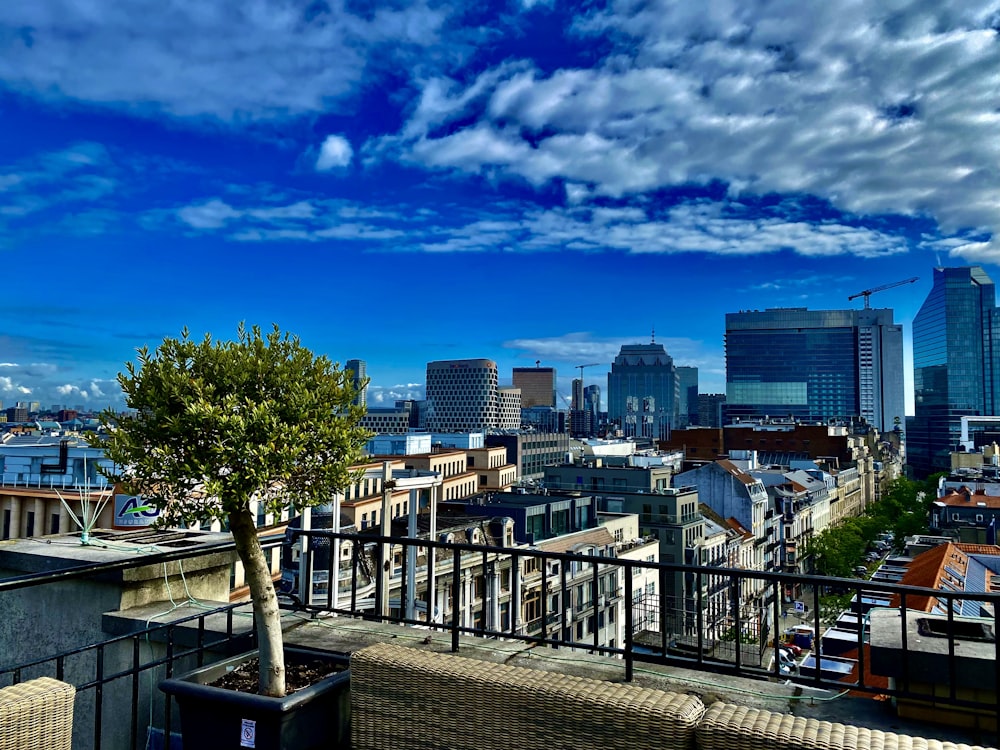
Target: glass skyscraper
[
  {"x": 955, "y": 367},
  {"x": 360, "y": 369},
  {"x": 815, "y": 365},
  {"x": 643, "y": 391}
]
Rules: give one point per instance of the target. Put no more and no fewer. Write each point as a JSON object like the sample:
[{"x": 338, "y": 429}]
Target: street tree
[{"x": 218, "y": 425}]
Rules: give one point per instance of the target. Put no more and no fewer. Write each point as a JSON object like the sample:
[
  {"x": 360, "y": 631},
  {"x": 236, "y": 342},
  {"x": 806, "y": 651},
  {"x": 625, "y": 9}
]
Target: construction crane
[{"x": 869, "y": 292}]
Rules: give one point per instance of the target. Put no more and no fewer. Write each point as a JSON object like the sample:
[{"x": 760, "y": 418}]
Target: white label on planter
[{"x": 248, "y": 734}]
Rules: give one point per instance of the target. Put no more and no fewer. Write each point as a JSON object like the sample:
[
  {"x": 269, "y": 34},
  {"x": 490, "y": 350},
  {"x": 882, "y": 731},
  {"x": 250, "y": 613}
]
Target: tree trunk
[{"x": 265, "y": 602}]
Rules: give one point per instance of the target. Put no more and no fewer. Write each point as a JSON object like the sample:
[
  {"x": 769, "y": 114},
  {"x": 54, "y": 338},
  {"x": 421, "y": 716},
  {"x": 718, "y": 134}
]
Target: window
[
  {"x": 364, "y": 520},
  {"x": 979, "y": 517}
]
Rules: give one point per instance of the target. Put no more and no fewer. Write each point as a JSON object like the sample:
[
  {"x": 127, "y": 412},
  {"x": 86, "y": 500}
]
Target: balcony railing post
[
  {"x": 628, "y": 645},
  {"x": 456, "y": 596}
]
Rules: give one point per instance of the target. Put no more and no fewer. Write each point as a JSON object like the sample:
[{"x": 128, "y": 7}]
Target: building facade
[
  {"x": 531, "y": 452},
  {"x": 815, "y": 365},
  {"x": 956, "y": 344},
  {"x": 687, "y": 401},
  {"x": 537, "y": 384},
  {"x": 359, "y": 368},
  {"x": 643, "y": 391},
  {"x": 462, "y": 395}
]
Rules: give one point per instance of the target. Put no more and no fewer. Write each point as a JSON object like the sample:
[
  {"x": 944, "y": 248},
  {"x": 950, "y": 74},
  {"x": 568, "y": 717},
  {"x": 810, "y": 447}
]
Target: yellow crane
[{"x": 869, "y": 292}]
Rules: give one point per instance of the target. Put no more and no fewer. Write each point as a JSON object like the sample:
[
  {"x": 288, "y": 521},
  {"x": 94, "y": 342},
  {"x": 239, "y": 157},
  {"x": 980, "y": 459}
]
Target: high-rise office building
[
  {"x": 576, "y": 400},
  {"x": 643, "y": 391},
  {"x": 592, "y": 403},
  {"x": 815, "y": 365},
  {"x": 462, "y": 396},
  {"x": 360, "y": 369},
  {"x": 537, "y": 384},
  {"x": 956, "y": 364},
  {"x": 687, "y": 402},
  {"x": 710, "y": 407}
]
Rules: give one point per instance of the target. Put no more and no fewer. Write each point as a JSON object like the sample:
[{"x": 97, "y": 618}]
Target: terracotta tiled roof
[
  {"x": 924, "y": 570},
  {"x": 979, "y": 549},
  {"x": 736, "y": 471},
  {"x": 957, "y": 499},
  {"x": 738, "y": 528},
  {"x": 928, "y": 569}
]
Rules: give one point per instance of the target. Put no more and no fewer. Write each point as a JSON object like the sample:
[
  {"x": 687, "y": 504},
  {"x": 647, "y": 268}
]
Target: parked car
[
  {"x": 796, "y": 650},
  {"x": 860, "y": 570}
]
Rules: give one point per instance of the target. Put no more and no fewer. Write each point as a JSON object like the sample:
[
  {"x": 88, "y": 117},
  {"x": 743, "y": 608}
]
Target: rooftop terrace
[{"x": 114, "y": 620}]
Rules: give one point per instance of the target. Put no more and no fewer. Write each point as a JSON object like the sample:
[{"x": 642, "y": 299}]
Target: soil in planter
[{"x": 244, "y": 678}]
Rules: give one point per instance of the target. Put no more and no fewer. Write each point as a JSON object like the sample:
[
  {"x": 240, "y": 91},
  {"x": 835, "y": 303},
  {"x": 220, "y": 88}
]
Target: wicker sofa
[
  {"x": 404, "y": 698},
  {"x": 729, "y": 727},
  {"x": 37, "y": 715}
]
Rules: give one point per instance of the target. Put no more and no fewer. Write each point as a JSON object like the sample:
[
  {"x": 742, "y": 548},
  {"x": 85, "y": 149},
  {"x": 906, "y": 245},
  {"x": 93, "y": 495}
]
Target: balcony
[{"x": 665, "y": 640}]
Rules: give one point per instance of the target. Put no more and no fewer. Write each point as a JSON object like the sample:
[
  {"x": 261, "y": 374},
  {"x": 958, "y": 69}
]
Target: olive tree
[{"x": 218, "y": 425}]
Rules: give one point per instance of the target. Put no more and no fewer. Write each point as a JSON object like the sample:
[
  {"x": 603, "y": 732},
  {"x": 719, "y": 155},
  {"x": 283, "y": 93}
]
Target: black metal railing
[
  {"x": 689, "y": 629},
  {"x": 117, "y": 677},
  {"x": 713, "y": 619}
]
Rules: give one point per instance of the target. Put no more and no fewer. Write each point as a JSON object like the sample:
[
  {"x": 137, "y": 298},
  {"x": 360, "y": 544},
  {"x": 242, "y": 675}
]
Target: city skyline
[{"x": 518, "y": 182}]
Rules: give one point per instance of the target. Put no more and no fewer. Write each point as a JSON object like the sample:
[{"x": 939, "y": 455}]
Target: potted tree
[{"x": 218, "y": 425}]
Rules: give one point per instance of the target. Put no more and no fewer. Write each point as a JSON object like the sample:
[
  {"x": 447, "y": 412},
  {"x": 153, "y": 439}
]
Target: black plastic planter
[{"x": 214, "y": 718}]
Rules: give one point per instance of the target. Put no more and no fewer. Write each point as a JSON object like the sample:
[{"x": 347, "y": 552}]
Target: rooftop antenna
[
  {"x": 653, "y": 336},
  {"x": 538, "y": 362},
  {"x": 91, "y": 505}
]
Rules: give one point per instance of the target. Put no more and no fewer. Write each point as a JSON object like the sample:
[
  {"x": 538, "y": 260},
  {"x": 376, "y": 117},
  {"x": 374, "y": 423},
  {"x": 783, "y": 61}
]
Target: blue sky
[{"x": 536, "y": 181}]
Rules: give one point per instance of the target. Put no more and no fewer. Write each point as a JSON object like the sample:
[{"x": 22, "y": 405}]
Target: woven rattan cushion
[
  {"x": 404, "y": 698},
  {"x": 729, "y": 727},
  {"x": 37, "y": 715}
]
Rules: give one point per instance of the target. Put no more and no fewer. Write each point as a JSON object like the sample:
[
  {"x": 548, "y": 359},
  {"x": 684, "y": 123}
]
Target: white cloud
[
  {"x": 714, "y": 228},
  {"x": 878, "y": 110},
  {"x": 8, "y": 385},
  {"x": 335, "y": 152},
  {"x": 228, "y": 60},
  {"x": 213, "y": 214}
]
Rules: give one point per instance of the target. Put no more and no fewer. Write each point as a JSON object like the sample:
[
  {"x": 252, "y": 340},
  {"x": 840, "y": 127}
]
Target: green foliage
[
  {"x": 219, "y": 423},
  {"x": 902, "y": 509},
  {"x": 904, "y": 506},
  {"x": 729, "y": 634}
]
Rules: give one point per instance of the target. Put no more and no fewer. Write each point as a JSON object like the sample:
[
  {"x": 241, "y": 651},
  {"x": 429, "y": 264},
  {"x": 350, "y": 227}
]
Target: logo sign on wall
[{"x": 131, "y": 511}]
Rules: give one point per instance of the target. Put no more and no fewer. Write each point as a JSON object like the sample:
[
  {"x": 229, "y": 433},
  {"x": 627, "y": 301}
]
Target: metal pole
[
  {"x": 385, "y": 558},
  {"x": 411, "y": 555}
]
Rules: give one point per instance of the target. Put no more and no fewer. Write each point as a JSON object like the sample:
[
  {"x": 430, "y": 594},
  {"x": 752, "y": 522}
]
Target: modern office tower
[
  {"x": 508, "y": 415},
  {"x": 642, "y": 391},
  {"x": 956, "y": 364},
  {"x": 462, "y": 396},
  {"x": 592, "y": 403},
  {"x": 815, "y": 365},
  {"x": 360, "y": 369},
  {"x": 576, "y": 400},
  {"x": 17, "y": 414},
  {"x": 687, "y": 402},
  {"x": 710, "y": 406},
  {"x": 537, "y": 384}
]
